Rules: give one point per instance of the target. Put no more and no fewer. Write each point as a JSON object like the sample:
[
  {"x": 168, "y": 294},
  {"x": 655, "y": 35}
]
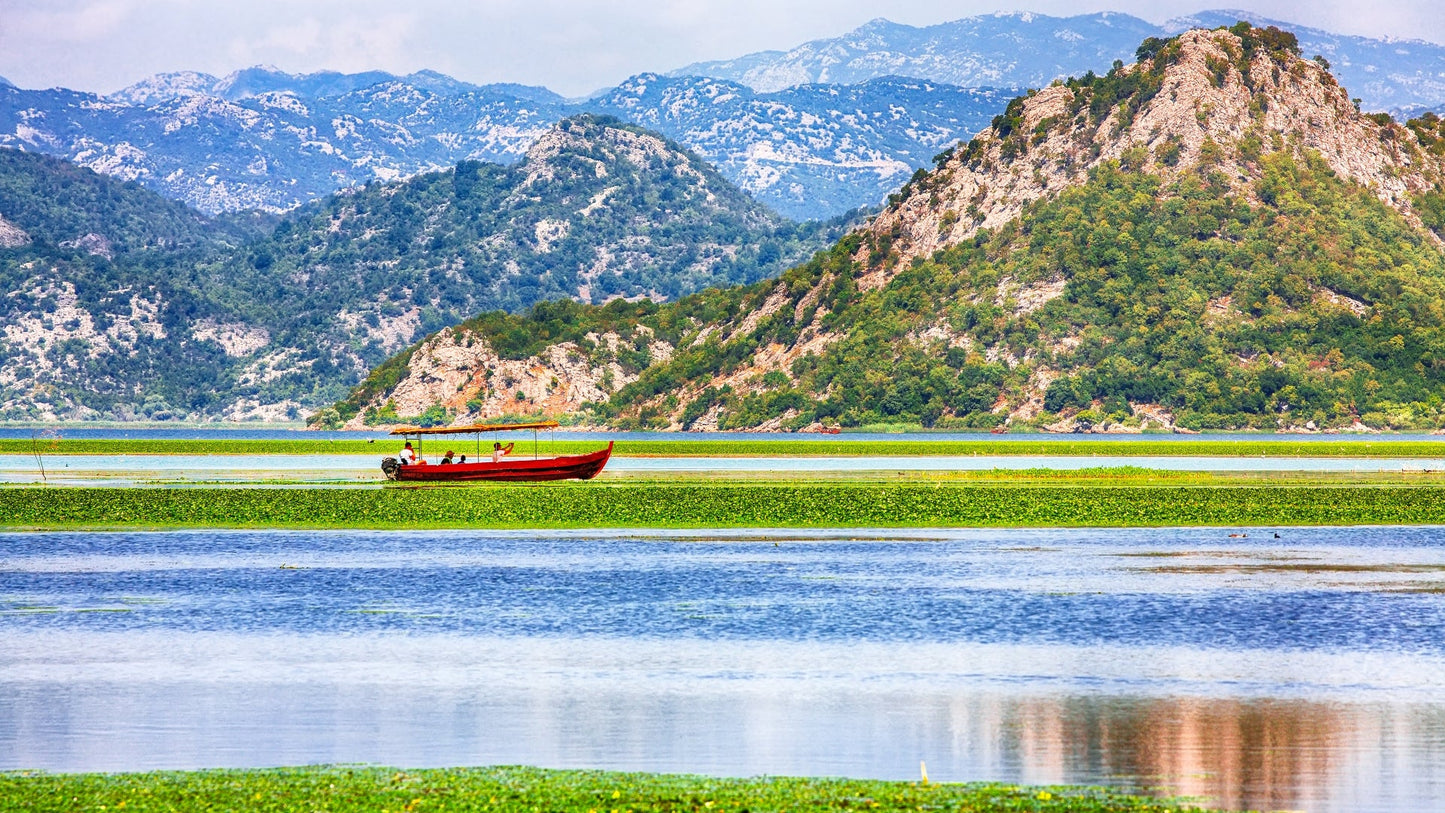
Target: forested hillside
[
  {"x": 125, "y": 305},
  {"x": 597, "y": 209},
  {"x": 1213, "y": 237},
  {"x": 98, "y": 274}
]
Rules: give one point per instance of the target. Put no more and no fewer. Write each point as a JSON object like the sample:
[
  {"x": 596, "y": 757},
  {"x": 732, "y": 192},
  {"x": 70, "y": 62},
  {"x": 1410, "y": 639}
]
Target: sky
[{"x": 572, "y": 46}]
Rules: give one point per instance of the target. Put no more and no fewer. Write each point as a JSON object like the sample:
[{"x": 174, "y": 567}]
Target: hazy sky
[{"x": 571, "y": 46}]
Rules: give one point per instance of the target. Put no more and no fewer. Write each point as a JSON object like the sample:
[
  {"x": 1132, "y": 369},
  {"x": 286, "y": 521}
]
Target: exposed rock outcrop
[
  {"x": 11, "y": 235},
  {"x": 459, "y": 371}
]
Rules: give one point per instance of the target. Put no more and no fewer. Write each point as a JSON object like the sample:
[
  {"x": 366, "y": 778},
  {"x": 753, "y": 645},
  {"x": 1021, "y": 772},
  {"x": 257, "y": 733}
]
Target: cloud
[
  {"x": 573, "y": 46},
  {"x": 363, "y": 42},
  {"x": 76, "y": 22}
]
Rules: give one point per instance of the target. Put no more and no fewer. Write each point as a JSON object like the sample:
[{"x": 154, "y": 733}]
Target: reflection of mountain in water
[{"x": 1237, "y": 754}]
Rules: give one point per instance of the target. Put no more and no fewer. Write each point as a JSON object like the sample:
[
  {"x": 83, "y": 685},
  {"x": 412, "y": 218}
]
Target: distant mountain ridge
[
  {"x": 812, "y": 132},
  {"x": 814, "y": 148},
  {"x": 260, "y": 138},
  {"x": 996, "y": 50},
  {"x": 1030, "y": 50},
  {"x": 262, "y": 79}
]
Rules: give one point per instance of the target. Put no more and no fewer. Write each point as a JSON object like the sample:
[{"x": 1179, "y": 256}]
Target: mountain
[
  {"x": 126, "y": 305},
  {"x": 1031, "y": 50},
  {"x": 813, "y": 150},
  {"x": 1403, "y": 77},
  {"x": 597, "y": 209},
  {"x": 164, "y": 87},
  {"x": 1015, "y": 50},
  {"x": 274, "y": 150},
  {"x": 1211, "y": 237},
  {"x": 261, "y": 138},
  {"x": 813, "y": 132},
  {"x": 263, "y": 79},
  {"x": 97, "y": 314}
]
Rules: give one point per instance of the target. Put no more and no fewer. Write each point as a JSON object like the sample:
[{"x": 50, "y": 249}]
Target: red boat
[{"x": 504, "y": 468}]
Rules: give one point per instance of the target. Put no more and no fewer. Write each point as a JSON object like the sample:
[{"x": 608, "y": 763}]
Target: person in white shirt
[{"x": 407, "y": 455}]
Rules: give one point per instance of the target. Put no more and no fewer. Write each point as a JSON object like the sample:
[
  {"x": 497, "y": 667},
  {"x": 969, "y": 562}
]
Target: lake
[
  {"x": 1304, "y": 672},
  {"x": 247, "y": 431},
  {"x": 133, "y": 469}
]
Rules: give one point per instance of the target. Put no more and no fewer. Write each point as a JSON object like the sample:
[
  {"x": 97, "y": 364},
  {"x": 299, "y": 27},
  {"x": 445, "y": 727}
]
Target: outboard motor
[{"x": 389, "y": 467}]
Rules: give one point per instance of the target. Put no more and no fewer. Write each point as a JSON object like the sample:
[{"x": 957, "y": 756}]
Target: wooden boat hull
[{"x": 567, "y": 467}]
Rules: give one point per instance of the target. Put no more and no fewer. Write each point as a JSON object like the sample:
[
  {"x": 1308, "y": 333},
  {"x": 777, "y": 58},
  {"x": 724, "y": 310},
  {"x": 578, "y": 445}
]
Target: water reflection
[
  {"x": 1260, "y": 754},
  {"x": 1239, "y": 753}
]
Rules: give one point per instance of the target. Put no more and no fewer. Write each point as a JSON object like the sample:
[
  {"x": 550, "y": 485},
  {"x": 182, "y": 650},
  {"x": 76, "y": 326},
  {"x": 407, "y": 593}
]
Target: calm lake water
[
  {"x": 271, "y": 432},
  {"x": 79, "y": 470},
  {"x": 1305, "y": 672}
]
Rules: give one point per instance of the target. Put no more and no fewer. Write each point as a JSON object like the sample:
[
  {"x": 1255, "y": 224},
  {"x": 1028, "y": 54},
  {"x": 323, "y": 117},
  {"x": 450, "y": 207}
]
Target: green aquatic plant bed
[
  {"x": 784, "y": 446},
  {"x": 345, "y": 789},
  {"x": 663, "y": 504}
]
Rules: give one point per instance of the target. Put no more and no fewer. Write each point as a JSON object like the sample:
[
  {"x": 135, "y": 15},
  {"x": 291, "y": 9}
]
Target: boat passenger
[
  {"x": 407, "y": 455},
  {"x": 447, "y": 458},
  {"x": 462, "y": 459},
  {"x": 496, "y": 452}
]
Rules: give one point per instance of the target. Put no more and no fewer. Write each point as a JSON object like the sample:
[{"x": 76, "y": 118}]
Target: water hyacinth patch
[
  {"x": 663, "y": 504},
  {"x": 347, "y": 789}
]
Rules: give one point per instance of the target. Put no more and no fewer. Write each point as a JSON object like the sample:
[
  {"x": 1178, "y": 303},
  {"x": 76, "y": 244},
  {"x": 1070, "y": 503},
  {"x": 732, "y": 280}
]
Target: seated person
[
  {"x": 462, "y": 459},
  {"x": 407, "y": 454},
  {"x": 447, "y": 458}
]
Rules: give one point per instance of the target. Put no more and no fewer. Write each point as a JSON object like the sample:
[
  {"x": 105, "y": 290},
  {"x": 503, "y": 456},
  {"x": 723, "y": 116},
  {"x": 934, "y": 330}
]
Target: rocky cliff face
[{"x": 460, "y": 372}]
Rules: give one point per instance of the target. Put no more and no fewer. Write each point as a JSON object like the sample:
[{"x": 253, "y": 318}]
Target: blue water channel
[
  {"x": 1303, "y": 672},
  {"x": 148, "y": 469}
]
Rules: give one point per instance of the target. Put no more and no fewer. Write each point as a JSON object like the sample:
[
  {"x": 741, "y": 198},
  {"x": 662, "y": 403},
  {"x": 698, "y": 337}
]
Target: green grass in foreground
[
  {"x": 725, "y": 505},
  {"x": 344, "y": 789},
  {"x": 782, "y": 447}
]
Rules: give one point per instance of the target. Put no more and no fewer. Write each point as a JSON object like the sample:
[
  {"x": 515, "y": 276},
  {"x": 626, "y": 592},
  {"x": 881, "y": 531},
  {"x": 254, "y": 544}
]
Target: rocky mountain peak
[
  {"x": 165, "y": 86},
  {"x": 1221, "y": 98},
  {"x": 599, "y": 141}
]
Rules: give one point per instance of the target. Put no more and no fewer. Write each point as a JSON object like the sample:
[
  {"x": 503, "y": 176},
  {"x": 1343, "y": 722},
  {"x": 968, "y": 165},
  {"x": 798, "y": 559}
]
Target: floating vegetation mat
[
  {"x": 725, "y": 505},
  {"x": 345, "y": 789}
]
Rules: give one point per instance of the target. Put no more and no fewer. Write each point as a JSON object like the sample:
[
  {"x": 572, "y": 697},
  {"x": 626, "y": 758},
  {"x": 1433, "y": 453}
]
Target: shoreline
[
  {"x": 782, "y": 447},
  {"x": 348, "y": 788}
]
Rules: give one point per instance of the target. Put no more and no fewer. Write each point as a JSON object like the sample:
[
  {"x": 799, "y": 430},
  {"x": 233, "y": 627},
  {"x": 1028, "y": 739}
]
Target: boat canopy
[{"x": 478, "y": 427}]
